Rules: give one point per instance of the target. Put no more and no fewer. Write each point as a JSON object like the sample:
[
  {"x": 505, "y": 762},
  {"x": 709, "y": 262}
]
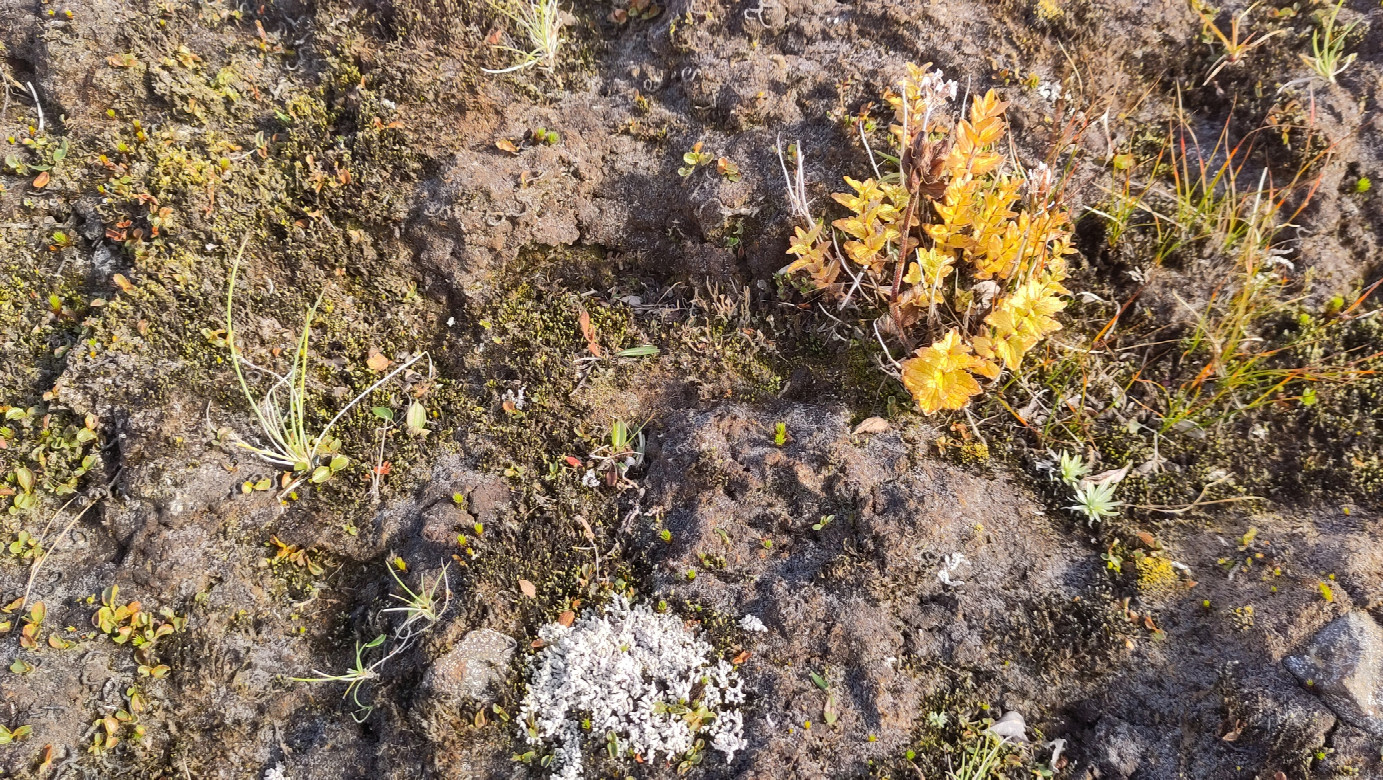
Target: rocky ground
[{"x": 174, "y": 604}]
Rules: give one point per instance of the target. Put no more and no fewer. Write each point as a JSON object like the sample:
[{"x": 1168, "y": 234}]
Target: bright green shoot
[
  {"x": 1096, "y": 501},
  {"x": 1328, "y": 58},
  {"x": 354, "y": 678},
  {"x": 538, "y": 21},
  {"x": 282, "y": 411},
  {"x": 1071, "y": 467},
  {"x": 1236, "y": 43},
  {"x": 981, "y": 760},
  {"x": 423, "y": 604}
]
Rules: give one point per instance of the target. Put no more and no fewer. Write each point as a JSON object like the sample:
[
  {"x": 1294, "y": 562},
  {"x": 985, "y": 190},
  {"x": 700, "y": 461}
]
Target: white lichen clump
[
  {"x": 753, "y": 624},
  {"x": 636, "y": 674}
]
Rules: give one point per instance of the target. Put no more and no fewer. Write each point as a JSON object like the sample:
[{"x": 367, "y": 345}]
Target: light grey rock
[
  {"x": 474, "y": 668},
  {"x": 1343, "y": 664},
  {"x": 1119, "y": 748}
]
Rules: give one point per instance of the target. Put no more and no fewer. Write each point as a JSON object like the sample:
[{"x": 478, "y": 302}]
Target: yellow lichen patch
[{"x": 1156, "y": 575}]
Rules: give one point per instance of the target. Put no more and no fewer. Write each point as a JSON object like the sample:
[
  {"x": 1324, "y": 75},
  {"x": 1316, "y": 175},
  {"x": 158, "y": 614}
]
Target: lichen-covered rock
[
  {"x": 1343, "y": 664},
  {"x": 474, "y": 669}
]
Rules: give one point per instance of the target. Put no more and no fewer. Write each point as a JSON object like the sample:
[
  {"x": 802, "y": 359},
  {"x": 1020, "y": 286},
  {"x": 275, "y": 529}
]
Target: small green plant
[
  {"x": 539, "y": 23},
  {"x": 825, "y": 521},
  {"x": 131, "y": 624},
  {"x": 545, "y": 136},
  {"x": 1096, "y": 501},
  {"x": 692, "y": 159},
  {"x": 18, "y": 733},
  {"x": 1363, "y": 185},
  {"x": 981, "y": 758},
  {"x": 1071, "y": 468},
  {"x": 420, "y": 606},
  {"x": 424, "y": 603},
  {"x": 282, "y": 411},
  {"x": 353, "y": 677},
  {"x": 624, "y": 452},
  {"x": 780, "y": 434},
  {"x": 1235, "y": 47},
  {"x": 1328, "y": 58}
]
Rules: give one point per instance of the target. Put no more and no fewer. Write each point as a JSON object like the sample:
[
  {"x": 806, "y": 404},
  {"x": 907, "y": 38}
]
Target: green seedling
[
  {"x": 780, "y": 434},
  {"x": 1072, "y": 468},
  {"x": 354, "y": 677},
  {"x": 1096, "y": 501},
  {"x": 539, "y": 23},
  {"x": 624, "y": 452},
  {"x": 692, "y": 159},
  {"x": 422, "y": 604},
  {"x": 1328, "y": 58},
  {"x": 282, "y": 411},
  {"x": 825, "y": 521},
  {"x": 1235, "y": 47},
  {"x": 19, "y": 733}
]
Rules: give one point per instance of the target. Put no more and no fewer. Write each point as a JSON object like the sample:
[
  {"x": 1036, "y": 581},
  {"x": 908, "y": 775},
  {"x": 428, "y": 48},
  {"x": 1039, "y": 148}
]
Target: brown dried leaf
[
  {"x": 123, "y": 283},
  {"x": 377, "y": 362},
  {"x": 872, "y": 425},
  {"x": 42, "y": 180},
  {"x": 529, "y": 589},
  {"x": 588, "y": 332},
  {"x": 567, "y": 618},
  {"x": 505, "y": 145}
]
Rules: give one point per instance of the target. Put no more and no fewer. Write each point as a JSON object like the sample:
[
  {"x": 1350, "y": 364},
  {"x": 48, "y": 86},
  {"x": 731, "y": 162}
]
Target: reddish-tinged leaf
[
  {"x": 567, "y": 618},
  {"x": 741, "y": 658},
  {"x": 572, "y": 461},
  {"x": 42, "y": 180},
  {"x": 588, "y": 332}
]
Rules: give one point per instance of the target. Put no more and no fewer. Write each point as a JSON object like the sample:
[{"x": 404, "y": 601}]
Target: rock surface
[
  {"x": 474, "y": 669},
  {"x": 1343, "y": 664}
]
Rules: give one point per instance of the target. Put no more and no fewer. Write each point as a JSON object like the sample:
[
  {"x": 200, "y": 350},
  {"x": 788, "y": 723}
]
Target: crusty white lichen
[{"x": 634, "y": 673}]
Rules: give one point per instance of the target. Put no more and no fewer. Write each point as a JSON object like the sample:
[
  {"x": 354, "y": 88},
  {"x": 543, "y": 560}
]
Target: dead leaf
[
  {"x": 42, "y": 180},
  {"x": 741, "y": 658},
  {"x": 588, "y": 332},
  {"x": 377, "y": 362},
  {"x": 1111, "y": 477},
  {"x": 1147, "y": 539},
  {"x": 567, "y": 618},
  {"x": 529, "y": 589},
  {"x": 121, "y": 282},
  {"x": 872, "y": 425},
  {"x": 505, "y": 145},
  {"x": 1234, "y": 732},
  {"x": 572, "y": 461}
]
